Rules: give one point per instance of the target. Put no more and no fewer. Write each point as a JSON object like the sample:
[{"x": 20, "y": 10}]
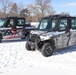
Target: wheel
[
  {"x": 28, "y": 47},
  {"x": 47, "y": 50}
]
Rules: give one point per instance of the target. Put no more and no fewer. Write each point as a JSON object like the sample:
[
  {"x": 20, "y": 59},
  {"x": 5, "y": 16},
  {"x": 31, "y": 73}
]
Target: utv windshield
[
  {"x": 1, "y": 22},
  {"x": 47, "y": 24}
]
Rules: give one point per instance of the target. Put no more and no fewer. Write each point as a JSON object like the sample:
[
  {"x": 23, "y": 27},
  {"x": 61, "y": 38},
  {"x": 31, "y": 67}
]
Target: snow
[
  {"x": 16, "y": 60},
  {"x": 35, "y": 24}
]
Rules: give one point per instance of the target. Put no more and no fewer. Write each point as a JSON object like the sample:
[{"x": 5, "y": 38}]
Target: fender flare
[{"x": 51, "y": 41}]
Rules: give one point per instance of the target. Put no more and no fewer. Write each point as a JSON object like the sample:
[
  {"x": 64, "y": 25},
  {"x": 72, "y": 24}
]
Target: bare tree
[
  {"x": 1, "y": 14},
  {"x": 5, "y": 6},
  {"x": 21, "y": 9},
  {"x": 45, "y": 7},
  {"x": 17, "y": 9},
  {"x": 41, "y": 8},
  {"x": 13, "y": 10},
  {"x": 24, "y": 12}
]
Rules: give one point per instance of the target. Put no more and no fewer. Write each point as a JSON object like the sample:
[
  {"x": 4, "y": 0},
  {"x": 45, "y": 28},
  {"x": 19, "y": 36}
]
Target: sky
[{"x": 58, "y": 5}]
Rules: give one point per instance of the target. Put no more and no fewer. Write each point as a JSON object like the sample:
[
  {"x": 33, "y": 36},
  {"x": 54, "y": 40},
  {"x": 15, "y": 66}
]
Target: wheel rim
[{"x": 49, "y": 50}]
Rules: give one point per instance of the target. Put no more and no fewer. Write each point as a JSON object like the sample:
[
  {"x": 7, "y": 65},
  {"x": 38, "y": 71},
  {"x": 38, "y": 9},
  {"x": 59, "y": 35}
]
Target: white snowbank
[
  {"x": 35, "y": 24},
  {"x": 16, "y": 60}
]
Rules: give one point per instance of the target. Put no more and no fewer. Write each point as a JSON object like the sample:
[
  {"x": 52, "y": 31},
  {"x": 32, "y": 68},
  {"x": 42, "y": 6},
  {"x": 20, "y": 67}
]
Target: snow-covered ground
[{"x": 16, "y": 60}]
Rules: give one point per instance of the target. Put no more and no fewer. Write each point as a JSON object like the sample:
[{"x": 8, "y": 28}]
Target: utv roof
[
  {"x": 13, "y": 17},
  {"x": 59, "y": 16}
]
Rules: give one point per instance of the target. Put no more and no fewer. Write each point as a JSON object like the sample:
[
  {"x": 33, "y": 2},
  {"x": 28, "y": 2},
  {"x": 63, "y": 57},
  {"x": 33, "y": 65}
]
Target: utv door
[
  {"x": 63, "y": 36},
  {"x": 72, "y": 40},
  {"x": 9, "y": 24},
  {"x": 20, "y": 27}
]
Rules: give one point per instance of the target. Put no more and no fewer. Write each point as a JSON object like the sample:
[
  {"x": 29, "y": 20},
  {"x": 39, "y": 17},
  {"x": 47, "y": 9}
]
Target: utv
[
  {"x": 54, "y": 32},
  {"x": 14, "y": 27}
]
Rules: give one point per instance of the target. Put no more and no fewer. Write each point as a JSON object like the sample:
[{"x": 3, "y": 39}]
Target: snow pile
[
  {"x": 35, "y": 24},
  {"x": 16, "y": 60}
]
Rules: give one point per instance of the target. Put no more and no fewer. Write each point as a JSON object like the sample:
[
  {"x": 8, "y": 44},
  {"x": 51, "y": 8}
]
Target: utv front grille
[{"x": 34, "y": 38}]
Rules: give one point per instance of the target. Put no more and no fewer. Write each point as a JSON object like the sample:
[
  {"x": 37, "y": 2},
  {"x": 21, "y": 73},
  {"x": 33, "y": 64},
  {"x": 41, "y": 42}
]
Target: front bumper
[
  {"x": 33, "y": 41},
  {"x": 33, "y": 45}
]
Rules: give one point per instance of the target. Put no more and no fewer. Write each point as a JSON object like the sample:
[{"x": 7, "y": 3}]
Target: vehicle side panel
[
  {"x": 72, "y": 40},
  {"x": 61, "y": 40}
]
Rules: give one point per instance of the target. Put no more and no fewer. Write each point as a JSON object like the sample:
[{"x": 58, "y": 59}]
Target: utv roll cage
[{"x": 57, "y": 16}]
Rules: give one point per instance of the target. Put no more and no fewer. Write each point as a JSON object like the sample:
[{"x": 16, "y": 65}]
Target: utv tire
[
  {"x": 47, "y": 50},
  {"x": 28, "y": 47}
]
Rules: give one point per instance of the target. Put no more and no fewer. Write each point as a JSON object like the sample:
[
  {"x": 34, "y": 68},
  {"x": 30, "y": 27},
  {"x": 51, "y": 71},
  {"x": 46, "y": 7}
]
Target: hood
[
  {"x": 44, "y": 35},
  {"x": 38, "y": 32}
]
